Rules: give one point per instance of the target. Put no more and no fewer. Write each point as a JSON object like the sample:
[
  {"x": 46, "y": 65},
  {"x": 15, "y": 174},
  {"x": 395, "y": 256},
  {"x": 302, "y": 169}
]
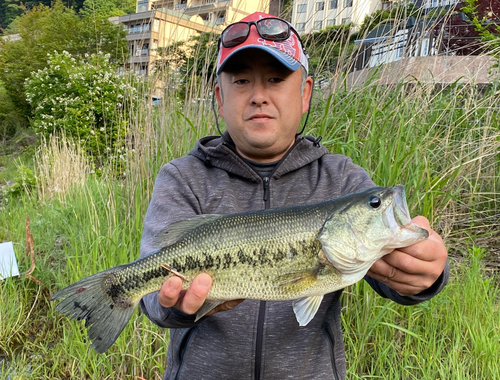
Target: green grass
[
  {"x": 452, "y": 336},
  {"x": 442, "y": 144}
]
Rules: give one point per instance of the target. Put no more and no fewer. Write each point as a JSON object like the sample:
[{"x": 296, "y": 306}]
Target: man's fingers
[
  {"x": 169, "y": 294},
  {"x": 196, "y": 294},
  {"x": 422, "y": 222}
]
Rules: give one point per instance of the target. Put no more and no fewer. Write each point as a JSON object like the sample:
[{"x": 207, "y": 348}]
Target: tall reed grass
[{"x": 443, "y": 143}]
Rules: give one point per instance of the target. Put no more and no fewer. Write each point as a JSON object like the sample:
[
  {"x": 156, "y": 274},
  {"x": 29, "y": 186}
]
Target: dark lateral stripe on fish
[{"x": 298, "y": 253}]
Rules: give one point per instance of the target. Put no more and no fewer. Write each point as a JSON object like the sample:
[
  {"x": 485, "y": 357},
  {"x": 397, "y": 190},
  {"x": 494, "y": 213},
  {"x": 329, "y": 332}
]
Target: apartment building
[
  {"x": 313, "y": 15},
  {"x": 160, "y": 23}
]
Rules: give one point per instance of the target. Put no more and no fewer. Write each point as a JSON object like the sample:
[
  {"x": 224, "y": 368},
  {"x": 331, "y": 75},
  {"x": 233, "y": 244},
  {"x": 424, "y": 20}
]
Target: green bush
[
  {"x": 23, "y": 182},
  {"x": 84, "y": 98}
]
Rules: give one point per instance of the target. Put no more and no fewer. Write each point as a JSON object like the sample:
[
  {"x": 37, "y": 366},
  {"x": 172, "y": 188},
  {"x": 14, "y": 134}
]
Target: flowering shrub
[{"x": 84, "y": 97}]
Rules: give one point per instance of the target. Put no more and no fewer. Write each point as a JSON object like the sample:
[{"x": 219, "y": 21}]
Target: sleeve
[
  {"x": 172, "y": 200},
  {"x": 357, "y": 179},
  {"x": 427, "y": 294}
]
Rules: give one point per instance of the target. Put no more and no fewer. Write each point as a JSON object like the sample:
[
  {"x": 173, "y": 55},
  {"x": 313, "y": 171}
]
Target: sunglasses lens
[
  {"x": 235, "y": 34},
  {"x": 273, "y": 29}
]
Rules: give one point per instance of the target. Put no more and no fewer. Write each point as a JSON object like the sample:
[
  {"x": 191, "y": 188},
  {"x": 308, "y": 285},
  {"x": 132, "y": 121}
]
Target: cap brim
[{"x": 286, "y": 60}]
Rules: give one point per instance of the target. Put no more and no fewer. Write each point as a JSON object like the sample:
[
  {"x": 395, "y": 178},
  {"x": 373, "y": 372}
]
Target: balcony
[{"x": 205, "y": 6}]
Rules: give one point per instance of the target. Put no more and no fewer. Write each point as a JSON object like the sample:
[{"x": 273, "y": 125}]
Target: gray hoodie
[{"x": 257, "y": 339}]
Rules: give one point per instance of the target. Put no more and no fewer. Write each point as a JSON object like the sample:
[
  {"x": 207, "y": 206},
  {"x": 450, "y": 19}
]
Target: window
[
  {"x": 301, "y": 26},
  {"x": 142, "y": 6},
  {"x": 145, "y": 48},
  {"x": 320, "y": 5},
  {"x": 302, "y": 8},
  {"x": 156, "y": 25},
  {"x": 346, "y": 20},
  {"x": 181, "y": 5},
  {"x": 154, "y": 48},
  {"x": 146, "y": 27},
  {"x": 137, "y": 28},
  {"x": 348, "y": 3},
  {"x": 330, "y": 22},
  {"x": 332, "y": 4},
  {"x": 318, "y": 25},
  {"x": 143, "y": 70},
  {"x": 221, "y": 18}
]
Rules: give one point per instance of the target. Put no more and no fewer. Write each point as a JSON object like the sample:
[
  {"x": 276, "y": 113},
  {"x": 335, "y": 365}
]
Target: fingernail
[
  {"x": 204, "y": 282},
  {"x": 172, "y": 285}
]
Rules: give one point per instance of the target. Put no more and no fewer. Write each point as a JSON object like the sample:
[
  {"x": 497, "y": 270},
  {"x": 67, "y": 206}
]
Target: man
[{"x": 261, "y": 162}]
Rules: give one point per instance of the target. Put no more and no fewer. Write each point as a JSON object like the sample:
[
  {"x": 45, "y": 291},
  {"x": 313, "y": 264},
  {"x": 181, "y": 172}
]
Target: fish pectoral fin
[
  {"x": 207, "y": 307},
  {"x": 305, "y": 308},
  {"x": 298, "y": 281}
]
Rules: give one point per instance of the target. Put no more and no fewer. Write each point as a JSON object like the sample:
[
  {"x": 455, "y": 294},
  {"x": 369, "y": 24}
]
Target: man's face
[{"x": 262, "y": 104}]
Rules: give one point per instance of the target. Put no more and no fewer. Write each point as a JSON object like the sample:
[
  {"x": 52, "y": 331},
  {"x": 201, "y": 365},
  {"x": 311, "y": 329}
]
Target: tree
[
  {"x": 46, "y": 30},
  {"x": 106, "y": 8},
  {"x": 11, "y": 9},
  {"x": 83, "y": 97},
  {"x": 471, "y": 28},
  {"x": 193, "y": 60},
  {"x": 325, "y": 47},
  {"x": 10, "y": 120},
  {"x": 399, "y": 12},
  {"x": 485, "y": 16}
]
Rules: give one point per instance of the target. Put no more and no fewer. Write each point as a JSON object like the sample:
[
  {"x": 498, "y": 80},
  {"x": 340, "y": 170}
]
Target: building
[
  {"x": 160, "y": 23},
  {"x": 438, "y": 45},
  {"x": 441, "y": 28},
  {"x": 313, "y": 15}
]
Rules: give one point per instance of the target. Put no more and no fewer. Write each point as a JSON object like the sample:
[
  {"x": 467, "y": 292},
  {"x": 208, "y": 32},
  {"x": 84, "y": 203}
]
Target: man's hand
[
  {"x": 413, "y": 269},
  {"x": 189, "y": 301}
]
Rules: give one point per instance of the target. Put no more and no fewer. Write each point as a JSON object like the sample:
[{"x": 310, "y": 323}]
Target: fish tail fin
[{"x": 105, "y": 316}]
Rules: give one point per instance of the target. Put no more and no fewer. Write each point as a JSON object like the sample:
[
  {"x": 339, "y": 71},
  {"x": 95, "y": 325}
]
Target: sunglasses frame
[{"x": 250, "y": 23}]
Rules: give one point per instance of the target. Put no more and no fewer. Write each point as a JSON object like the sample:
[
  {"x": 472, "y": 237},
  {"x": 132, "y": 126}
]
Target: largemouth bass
[{"x": 294, "y": 253}]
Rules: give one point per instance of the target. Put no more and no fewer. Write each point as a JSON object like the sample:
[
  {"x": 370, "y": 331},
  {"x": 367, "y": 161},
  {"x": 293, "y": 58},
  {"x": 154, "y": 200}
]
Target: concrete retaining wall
[{"x": 434, "y": 69}]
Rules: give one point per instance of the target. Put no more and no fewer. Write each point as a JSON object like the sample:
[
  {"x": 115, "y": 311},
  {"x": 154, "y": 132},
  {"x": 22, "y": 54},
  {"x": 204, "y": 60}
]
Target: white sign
[{"x": 8, "y": 262}]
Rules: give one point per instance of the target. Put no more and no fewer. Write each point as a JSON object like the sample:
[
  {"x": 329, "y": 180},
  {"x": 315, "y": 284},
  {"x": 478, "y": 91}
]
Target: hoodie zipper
[
  {"x": 262, "y": 304},
  {"x": 266, "y": 192},
  {"x": 327, "y": 332}
]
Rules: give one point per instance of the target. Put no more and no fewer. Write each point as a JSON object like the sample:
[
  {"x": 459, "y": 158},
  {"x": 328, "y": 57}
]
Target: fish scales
[
  {"x": 242, "y": 264},
  {"x": 296, "y": 253}
]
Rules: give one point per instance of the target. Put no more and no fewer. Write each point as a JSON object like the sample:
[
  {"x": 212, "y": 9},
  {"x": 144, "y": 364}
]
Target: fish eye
[{"x": 374, "y": 201}]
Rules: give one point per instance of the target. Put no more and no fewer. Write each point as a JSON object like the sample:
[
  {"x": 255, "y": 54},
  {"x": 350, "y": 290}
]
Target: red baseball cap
[{"x": 289, "y": 52}]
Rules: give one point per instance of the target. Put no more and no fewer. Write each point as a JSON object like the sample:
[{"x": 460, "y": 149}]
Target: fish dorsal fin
[
  {"x": 175, "y": 231},
  {"x": 305, "y": 308}
]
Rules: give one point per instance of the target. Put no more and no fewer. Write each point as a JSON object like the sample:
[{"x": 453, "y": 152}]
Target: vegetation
[
  {"x": 485, "y": 16},
  {"x": 192, "y": 62},
  {"x": 443, "y": 143},
  {"x": 399, "y": 13},
  {"x": 12, "y": 9},
  {"x": 328, "y": 47},
  {"x": 48, "y": 30},
  {"x": 85, "y": 98}
]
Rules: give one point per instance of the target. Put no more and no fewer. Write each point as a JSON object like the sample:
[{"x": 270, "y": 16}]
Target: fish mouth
[{"x": 397, "y": 215}]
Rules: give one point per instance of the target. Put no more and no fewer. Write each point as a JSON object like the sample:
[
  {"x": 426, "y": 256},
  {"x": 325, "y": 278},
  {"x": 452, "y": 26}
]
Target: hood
[{"x": 220, "y": 152}]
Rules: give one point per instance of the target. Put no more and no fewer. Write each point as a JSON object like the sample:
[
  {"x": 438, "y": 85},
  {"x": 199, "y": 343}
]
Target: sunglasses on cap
[{"x": 270, "y": 28}]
